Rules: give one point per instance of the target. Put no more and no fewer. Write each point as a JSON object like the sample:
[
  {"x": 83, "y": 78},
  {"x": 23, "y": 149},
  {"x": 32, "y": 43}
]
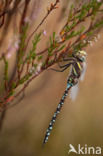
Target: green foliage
[
  {"x": 25, "y": 78},
  {"x": 32, "y": 54},
  {"x": 53, "y": 44},
  {"x": 63, "y": 43},
  {"x": 61, "y": 48},
  {"x": 40, "y": 57},
  {"x": 23, "y": 38},
  {"x": 13, "y": 85},
  {"x": 75, "y": 33},
  {"x": 22, "y": 45},
  {"x": 70, "y": 13},
  {"x": 6, "y": 69}
]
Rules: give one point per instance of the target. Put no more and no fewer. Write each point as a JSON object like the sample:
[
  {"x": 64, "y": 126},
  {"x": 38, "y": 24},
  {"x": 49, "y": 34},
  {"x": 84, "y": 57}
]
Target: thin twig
[
  {"x": 42, "y": 21},
  {"x": 2, "y": 117}
]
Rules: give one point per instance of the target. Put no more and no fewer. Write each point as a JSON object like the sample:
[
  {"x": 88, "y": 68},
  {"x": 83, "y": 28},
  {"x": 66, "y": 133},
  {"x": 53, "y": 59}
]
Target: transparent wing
[
  {"x": 84, "y": 71},
  {"x": 74, "y": 91}
]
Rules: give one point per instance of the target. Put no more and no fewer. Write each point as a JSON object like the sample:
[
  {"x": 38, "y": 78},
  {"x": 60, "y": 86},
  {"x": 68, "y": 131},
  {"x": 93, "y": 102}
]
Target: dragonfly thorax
[
  {"x": 72, "y": 81},
  {"x": 81, "y": 55}
]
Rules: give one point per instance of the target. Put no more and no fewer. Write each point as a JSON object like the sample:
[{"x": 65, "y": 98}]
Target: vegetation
[{"x": 74, "y": 35}]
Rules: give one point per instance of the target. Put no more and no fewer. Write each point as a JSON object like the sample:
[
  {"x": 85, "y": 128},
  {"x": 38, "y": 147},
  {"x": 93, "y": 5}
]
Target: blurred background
[{"x": 80, "y": 121}]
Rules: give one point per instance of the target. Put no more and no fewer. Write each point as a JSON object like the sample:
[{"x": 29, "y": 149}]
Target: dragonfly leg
[
  {"x": 68, "y": 59},
  {"x": 62, "y": 66},
  {"x": 65, "y": 67}
]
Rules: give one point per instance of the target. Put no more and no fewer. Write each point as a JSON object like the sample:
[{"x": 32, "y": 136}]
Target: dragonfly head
[{"x": 81, "y": 55}]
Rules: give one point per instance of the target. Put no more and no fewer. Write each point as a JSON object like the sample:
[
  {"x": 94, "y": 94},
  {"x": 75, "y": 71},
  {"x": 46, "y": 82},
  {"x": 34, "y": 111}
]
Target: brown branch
[
  {"x": 3, "y": 18},
  {"x": 53, "y": 6},
  {"x": 8, "y": 20},
  {"x": 22, "y": 22},
  {"x": 2, "y": 117}
]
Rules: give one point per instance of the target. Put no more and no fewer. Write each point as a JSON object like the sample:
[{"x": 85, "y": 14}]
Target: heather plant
[{"x": 81, "y": 28}]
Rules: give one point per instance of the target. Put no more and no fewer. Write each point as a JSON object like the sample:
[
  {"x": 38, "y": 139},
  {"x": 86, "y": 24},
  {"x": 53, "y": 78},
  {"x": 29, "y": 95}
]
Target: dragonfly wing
[
  {"x": 74, "y": 92},
  {"x": 84, "y": 71}
]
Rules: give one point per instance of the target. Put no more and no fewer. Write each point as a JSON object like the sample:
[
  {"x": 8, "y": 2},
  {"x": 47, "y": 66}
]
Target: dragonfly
[{"x": 77, "y": 64}]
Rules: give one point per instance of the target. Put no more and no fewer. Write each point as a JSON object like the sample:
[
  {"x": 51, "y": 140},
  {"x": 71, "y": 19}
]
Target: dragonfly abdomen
[{"x": 50, "y": 127}]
